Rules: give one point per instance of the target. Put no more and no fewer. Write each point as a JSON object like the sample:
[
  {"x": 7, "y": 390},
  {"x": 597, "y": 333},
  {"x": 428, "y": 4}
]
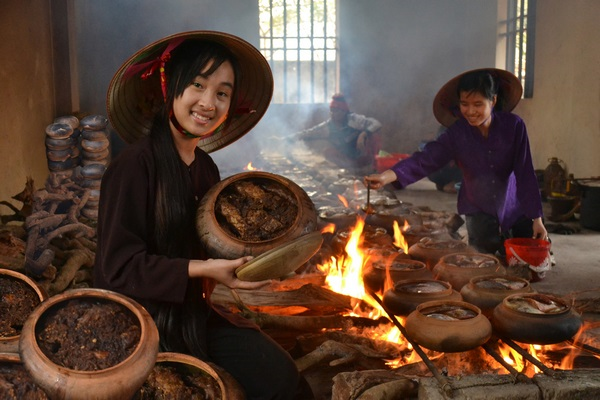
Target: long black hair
[
  {"x": 174, "y": 200},
  {"x": 174, "y": 232}
]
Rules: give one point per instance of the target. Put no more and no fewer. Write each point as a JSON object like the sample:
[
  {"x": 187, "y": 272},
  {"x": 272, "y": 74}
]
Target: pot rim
[
  {"x": 247, "y": 175},
  {"x": 103, "y": 294},
  {"x": 568, "y": 309}
]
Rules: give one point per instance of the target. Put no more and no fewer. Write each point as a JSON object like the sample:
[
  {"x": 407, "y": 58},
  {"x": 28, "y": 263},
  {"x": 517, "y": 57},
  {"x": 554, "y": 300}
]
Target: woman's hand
[
  {"x": 539, "y": 230},
  {"x": 377, "y": 181},
  {"x": 223, "y": 271}
]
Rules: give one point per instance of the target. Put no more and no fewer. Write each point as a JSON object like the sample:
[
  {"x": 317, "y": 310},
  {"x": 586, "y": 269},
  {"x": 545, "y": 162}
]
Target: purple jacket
[{"x": 498, "y": 174}]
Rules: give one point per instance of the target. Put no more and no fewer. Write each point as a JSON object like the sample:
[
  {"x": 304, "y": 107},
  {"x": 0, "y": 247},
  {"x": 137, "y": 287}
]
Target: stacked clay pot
[
  {"x": 62, "y": 150},
  {"x": 95, "y": 145}
]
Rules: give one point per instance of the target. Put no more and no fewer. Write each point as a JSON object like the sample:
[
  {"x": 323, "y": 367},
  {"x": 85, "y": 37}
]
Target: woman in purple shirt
[{"x": 499, "y": 194}]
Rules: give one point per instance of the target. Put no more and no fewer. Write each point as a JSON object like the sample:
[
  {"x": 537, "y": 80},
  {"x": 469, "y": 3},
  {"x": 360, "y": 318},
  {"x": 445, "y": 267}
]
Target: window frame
[{"x": 290, "y": 89}]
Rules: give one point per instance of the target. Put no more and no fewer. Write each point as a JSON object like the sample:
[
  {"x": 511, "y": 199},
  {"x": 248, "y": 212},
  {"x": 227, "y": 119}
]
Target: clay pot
[
  {"x": 220, "y": 242},
  {"x": 11, "y": 365},
  {"x": 119, "y": 381},
  {"x": 10, "y": 344},
  {"x": 225, "y": 386},
  {"x": 431, "y": 250},
  {"x": 407, "y": 295},
  {"x": 448, "y": 326},
  {"x": 487, "y": 291},
  {"x": 520, "y": 318},
  {"x": 341, "y": 217},
  {"x": 372, "y": 237},
  {"x": 415, "y": 233},
  {"x": 375, "y": 274},
  {"x": 459, "y": 268},
  {"x": 385, "y": 220}
]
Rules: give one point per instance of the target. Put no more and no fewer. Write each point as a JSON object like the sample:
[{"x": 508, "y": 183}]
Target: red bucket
[
  {"x": 535, "y": 252},
  {"x": 387, "y": 162}
]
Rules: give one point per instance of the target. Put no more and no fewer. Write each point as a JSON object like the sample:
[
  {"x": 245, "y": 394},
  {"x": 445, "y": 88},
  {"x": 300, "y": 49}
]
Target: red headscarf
[{"x": 339, "y": 101}]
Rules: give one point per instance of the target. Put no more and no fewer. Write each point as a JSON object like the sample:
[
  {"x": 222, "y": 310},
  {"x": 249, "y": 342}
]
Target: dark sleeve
[{"x": 124, "y": 260}]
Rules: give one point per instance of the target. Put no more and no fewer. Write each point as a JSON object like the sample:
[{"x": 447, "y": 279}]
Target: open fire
[{"x": 344, "y": 275}]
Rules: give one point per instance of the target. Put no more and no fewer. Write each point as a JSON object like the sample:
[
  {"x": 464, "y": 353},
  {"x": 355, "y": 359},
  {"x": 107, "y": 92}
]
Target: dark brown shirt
[{"x": 125, "y": 262}]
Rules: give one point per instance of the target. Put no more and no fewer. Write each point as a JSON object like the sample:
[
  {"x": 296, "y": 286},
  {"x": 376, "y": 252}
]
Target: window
[
  {"x": 298, "y": 38},
  {"x": 517, "y": 33}
]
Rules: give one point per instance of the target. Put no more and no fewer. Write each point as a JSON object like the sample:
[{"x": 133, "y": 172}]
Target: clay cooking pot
[
  {"x": 431, "y": 250},
  {"x": 487, "y": 291},
  {"x": 536, "y": 318},
  {"x": 119, "y": 381},
  {"x": 407, "y": 295},
  {"x": 215, "y": 214},
  {"x": 459, "y": 268},
  {"x": 448, "y": 326},
  {"x": 398, "y": 269},
  {"x": 10, "y": 343}
]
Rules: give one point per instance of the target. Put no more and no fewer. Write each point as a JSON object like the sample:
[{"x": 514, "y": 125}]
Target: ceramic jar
[
  {"x": 415, "y": 233},
  {"x": 16, "y": 382},
  {"x": 448, "y": 326},
  {"x": 487, "y": 291},
  {"x": 9, "y": 343},
  {"x": 120, "y": 381},
  {"x": 431, "y": 250},
  {"x": 536, "y": 318},
  {"x": 372, "y": 237},
  {"x": 219, "y": 239},
  {"x": 375, "y": 274},
  {"x": 341, "y": 217},
  {"x": 406, "y": 295},
  {"x": 220, "y": 384},
  {"x": 459, "y": 268}
]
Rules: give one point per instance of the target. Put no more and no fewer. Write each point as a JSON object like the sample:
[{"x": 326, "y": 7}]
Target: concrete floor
[{"x": 577, "y": 255}]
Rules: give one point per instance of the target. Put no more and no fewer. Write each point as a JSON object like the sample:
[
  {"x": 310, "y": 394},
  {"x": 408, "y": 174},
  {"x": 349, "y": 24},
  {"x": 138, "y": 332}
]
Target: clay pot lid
[{"x": 282, "y": 260}]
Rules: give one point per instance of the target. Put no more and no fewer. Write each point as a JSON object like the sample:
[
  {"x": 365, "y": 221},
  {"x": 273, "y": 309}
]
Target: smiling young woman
[{"x": 499, "y": 192}]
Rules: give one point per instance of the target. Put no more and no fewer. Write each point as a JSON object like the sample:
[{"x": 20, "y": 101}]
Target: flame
[
  {"x": 345, "y": 276},
  {"x": 343, "y": 200},
  {"x": 249, "y": 167},
  {"x": 329, "y": 228},
  {"x": 399, "y": 240}
]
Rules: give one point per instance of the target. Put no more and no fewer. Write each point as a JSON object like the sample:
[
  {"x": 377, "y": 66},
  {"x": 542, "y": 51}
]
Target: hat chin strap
[{"x": 180, "y": 128}]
